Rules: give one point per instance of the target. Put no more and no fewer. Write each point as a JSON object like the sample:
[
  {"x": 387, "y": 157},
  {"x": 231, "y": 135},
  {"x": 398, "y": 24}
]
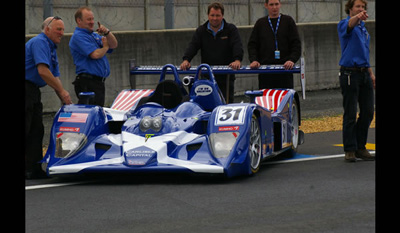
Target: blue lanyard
[{"x": 276, "y": 30}]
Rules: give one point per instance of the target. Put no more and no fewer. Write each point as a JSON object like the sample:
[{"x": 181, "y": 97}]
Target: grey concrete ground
[{"x": 314, "y": 196}]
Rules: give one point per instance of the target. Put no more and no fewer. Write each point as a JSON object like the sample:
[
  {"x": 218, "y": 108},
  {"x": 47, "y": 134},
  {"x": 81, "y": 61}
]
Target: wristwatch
[{"x": 108, "y": 32}]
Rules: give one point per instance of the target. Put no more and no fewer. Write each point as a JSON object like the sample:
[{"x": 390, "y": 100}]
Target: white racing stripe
[
  {"x": 75, "y": 168},
  {"x": 159, "y": 144}
]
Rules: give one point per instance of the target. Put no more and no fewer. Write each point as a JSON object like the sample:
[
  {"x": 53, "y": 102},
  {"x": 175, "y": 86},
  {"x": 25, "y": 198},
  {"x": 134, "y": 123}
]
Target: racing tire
[
  {"x": 295, "y": 132},
  {"x": 255, "y": 145}
]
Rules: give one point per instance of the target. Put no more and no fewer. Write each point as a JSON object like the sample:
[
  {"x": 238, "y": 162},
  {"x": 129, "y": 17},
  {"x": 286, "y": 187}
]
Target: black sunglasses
[{"x": 55, "y": 17}]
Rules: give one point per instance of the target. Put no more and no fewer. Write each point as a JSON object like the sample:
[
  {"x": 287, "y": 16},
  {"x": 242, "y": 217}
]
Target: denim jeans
[{"x": 356, "y": 88}]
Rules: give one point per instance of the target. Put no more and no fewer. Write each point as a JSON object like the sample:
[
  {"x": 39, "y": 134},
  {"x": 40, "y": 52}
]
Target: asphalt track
[
  {"x": 312, "y": 192},
  {"x": 316, "y": 191}
]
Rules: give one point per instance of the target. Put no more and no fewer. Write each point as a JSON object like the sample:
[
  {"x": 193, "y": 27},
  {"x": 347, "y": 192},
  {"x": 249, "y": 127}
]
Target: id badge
[{"x": 277, "y": 54}]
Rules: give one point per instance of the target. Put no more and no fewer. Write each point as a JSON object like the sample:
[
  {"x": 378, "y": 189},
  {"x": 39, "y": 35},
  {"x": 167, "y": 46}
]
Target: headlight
[
  {"x": 69, "y": 143},
  {"x": 156, "y": 124},
  {"x": 150, "y": 123},
  {"x": 145, "y": 123},
  {"x": 222, "y": 143}
]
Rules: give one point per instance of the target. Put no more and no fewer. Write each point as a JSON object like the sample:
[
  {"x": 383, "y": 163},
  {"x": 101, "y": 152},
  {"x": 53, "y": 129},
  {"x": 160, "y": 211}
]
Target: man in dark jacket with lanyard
[
  {"x": 274, "y": 40},
  {"x": 357, "y": 81},
  {"x": 220, "y": 44}
]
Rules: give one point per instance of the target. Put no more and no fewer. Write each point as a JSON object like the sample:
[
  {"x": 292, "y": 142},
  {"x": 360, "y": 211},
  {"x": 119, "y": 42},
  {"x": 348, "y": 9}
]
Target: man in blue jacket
[
  {"x": 89, "y": 50},
  {"x": 357, "y": 81},
  {"x": 41, "y": 69},
  {"x": 220, "y": 44}
]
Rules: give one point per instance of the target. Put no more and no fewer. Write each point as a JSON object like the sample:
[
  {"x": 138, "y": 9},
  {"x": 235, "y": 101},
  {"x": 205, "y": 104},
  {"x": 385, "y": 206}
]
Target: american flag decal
[
  {"x": 127, "y": 98},
  {"x": 271, "y": 98},
  {"x": 72, "y": 117}
]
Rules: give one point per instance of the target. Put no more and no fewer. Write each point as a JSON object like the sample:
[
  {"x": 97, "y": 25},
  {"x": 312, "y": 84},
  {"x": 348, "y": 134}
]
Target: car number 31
[{"x": 230, "y": 115}]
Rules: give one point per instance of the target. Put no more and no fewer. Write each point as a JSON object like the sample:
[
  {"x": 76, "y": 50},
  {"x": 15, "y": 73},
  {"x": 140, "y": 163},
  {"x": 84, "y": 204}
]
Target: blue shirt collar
[
  {"x": 51, "y": 43},
  {"x": 83, "y": 30},
  {"x": 220, "y": 29}
]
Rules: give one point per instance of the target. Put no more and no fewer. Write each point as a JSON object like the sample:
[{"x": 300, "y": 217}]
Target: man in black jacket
[
  {"x": 274, "y": 40},
  {"x": 220, "y": 44}
]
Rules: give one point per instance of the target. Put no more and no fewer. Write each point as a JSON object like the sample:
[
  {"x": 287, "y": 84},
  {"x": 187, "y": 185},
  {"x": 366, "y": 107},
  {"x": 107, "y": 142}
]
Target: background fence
[
  {"x": 128, "y": 15},
  {"x": 132, "y": 20}
]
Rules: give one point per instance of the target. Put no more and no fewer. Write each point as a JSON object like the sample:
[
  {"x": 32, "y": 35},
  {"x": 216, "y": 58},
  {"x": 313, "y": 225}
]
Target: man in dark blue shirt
[
  {"x": 357, "y": 81},
  {"x": 41, "y": 69},
  {"x": 89, "y": 50}
]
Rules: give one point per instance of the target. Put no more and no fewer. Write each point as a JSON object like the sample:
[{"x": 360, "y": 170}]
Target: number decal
[{"x": 230, "y": 115}]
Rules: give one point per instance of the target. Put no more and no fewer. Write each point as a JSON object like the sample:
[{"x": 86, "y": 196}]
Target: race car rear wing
[{"x": 148, "y": 70}]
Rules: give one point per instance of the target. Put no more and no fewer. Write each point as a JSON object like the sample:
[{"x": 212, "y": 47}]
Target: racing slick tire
[
  {"x": 255, "y": 145},
  {"x": 295, "y": 127},
  {"x": 297, "y": 136}
]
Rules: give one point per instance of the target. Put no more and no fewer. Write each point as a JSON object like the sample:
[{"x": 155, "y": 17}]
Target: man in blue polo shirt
[
  {"x": 89, "y": 51},
  {"x": 357, "y": 81},
  {"x": 41, "y": 69}
]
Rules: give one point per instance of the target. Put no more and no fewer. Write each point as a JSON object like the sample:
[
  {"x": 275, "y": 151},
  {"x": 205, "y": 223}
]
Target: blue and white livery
[{"x": 170, "y": 129}]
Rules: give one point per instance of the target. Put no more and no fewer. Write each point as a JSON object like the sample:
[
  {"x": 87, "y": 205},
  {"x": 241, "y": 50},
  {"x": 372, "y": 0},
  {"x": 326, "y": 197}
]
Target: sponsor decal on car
[
  {"x": 69, "y": 129},
  {"x": 228, "y": 128}
]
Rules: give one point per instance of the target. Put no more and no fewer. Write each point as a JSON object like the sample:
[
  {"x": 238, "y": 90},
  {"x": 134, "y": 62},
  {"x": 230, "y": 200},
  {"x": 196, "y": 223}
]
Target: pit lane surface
[{"x": 325, "y": 195}]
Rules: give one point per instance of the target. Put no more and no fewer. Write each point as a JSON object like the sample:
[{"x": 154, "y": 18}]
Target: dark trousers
[
  {"x": 34, "y": 129},
  {"x": 356, "y": 88},
  {"x": 267, "y": 81},
  {"x": 89, "y": 84},
  {"x": 223, "y": 82}
]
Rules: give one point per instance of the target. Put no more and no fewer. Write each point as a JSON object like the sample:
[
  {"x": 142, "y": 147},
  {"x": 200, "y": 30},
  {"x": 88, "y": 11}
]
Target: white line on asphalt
[
  {"x": 43, "y": 186},
  {"x": 305, "y": 159},
  {"x": 309, "y": 159}
]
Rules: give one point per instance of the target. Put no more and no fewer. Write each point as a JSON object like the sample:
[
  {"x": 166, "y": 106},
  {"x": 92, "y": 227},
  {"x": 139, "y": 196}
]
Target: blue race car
[{"x": 171, "y": 130}]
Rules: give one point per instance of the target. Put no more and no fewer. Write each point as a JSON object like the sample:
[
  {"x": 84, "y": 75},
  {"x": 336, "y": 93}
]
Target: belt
[
  {"x": 90, "y": 76},
  {"x": 355, "y": 69},
  {"x": 31, "y": 84}
]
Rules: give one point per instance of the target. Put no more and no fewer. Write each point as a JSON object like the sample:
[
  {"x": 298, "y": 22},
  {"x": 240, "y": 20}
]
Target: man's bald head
[{"x": 53, "y": 27}]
